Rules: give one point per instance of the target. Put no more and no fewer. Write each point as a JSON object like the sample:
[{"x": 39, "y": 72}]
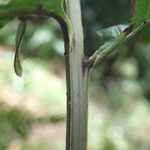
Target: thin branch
[
  {"x": 106, "y": 49},
  {"x": 101, "y": 53},
  {"x": 137, "y": 30}
]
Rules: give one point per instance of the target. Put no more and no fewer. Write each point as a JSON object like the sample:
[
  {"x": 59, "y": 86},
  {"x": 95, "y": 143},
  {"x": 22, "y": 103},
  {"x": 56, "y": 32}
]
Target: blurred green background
[{"x": 33, "y": 108}]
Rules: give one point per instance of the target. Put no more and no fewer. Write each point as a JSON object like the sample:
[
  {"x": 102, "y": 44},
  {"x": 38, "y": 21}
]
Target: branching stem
[{"x": 106, "y": 49}]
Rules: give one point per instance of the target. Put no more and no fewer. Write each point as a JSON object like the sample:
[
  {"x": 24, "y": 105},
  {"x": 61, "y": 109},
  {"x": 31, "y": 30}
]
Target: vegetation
[{"x": 122, "y": 82}]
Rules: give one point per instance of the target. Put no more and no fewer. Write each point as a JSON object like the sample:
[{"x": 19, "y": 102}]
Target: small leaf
[
  {"x": 19, "y": 37},
  {"x": 111, "y": 37},
  {"x": 111, "y": 33}
]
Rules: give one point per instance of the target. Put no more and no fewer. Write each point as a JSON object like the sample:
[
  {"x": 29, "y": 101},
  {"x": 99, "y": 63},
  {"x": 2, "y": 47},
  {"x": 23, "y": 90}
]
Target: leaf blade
[
  {"x": 19, "y": 38},
  {"x": 141, "y": 11}
]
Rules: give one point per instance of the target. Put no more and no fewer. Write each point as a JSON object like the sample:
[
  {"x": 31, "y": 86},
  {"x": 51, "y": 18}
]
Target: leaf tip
[{"x": 17, "y": 68}]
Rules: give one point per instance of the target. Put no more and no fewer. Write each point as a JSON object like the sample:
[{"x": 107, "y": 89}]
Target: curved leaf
[
  {"x": 19, "y": 37},
  {"x": 9, "y": 9}
]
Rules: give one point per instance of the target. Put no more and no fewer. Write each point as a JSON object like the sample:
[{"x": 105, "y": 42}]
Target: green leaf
[
  {"x": 145, "y": 34},
  {"x": 112, "y": 37},
  {"x": 108, "y": 48},
  {"x": 141, "y": 11},
  {"x": 111, "y": 33},
  {"x": 9, "y": 9},
  {"x": 13, "y": 8},
  {"x": 19, "y": 37}
]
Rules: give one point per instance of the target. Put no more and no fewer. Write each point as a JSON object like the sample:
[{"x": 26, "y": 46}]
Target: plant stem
[
  {"x": 105, "y": 50},
  {"x": 77, "y": 73},
  {"x": 77, "y": 83}
]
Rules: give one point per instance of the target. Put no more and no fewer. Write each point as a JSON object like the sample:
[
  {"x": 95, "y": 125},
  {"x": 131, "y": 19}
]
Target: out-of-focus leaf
[
  {"x": 111, "y": 33},
  {"x": 141, "y": 11},
  {"x": 115, "y": 37},
  {"x": 145, "y": 34}
]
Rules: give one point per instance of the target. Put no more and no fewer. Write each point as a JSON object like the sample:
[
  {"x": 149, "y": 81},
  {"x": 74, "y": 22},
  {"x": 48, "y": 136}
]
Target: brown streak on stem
[{"x": 87, "y": 64}]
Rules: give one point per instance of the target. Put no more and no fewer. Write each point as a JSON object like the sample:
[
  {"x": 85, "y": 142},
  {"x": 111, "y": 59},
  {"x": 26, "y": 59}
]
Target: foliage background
[{"x": 32, "y": 108}]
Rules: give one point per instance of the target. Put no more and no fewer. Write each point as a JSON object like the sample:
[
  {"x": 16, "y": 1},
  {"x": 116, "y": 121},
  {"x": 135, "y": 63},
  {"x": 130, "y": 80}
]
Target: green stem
[
  {"x": 77, "y": 83},
  {"x": 105, "y": 50}
]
